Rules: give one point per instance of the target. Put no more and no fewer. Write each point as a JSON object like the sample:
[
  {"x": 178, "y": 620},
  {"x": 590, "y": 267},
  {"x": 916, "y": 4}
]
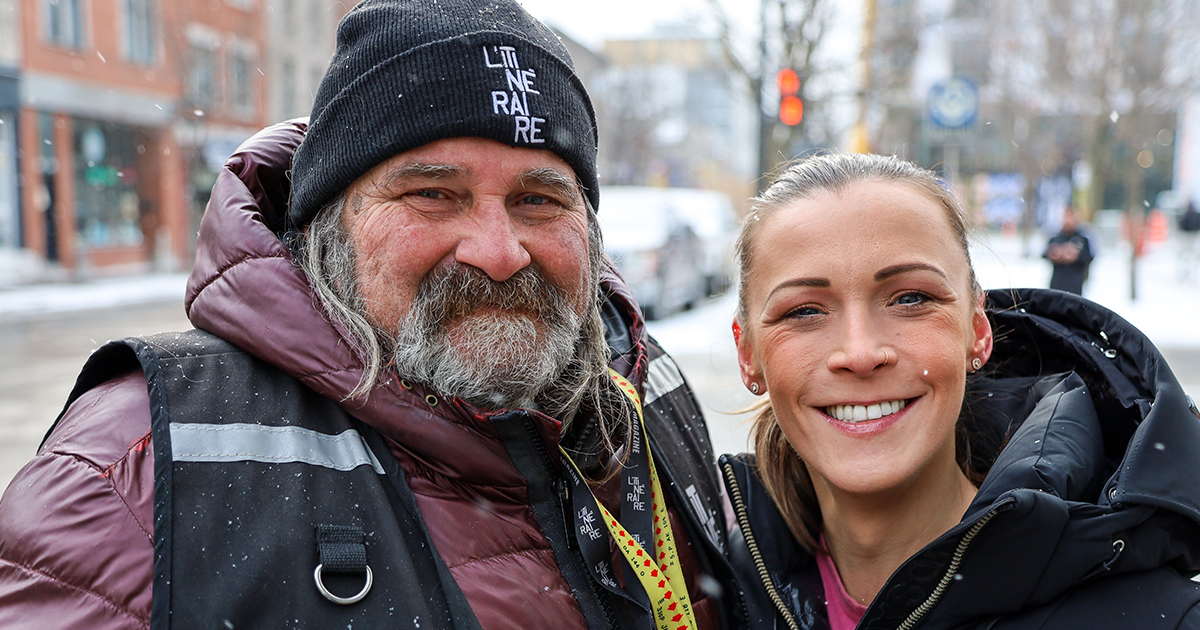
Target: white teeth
[{"x": 859, "y": 413}]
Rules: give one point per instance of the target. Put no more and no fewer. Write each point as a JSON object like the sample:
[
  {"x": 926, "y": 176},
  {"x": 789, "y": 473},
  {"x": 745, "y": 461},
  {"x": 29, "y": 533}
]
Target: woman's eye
[
  {"x": 912, "y": 299},
  {"x": 804, "y": 311}
]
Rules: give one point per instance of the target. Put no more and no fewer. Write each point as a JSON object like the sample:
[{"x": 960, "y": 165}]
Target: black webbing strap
[
  {"x": 446, "y": 606},
  {"x": 342, "y": 548}
]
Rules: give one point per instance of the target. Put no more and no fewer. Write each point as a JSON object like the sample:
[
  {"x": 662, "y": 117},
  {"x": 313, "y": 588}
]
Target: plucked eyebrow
[
  {"x": 552, "y": 179},
  {"x": 880, "y": 276},
  {"x": 821, "y": 283},
  {"x": 895, "y": 270}
]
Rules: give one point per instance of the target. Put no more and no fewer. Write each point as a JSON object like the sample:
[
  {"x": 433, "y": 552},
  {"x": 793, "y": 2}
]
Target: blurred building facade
[
  {"x": 1071, "y": 103},
  {"x": 125, "y": 110},
  {"x": 671, "y": 113},
  {"x": 1187, "y": 154},
  {"x": 300, "y": 40},
  {"x": 10, "y": 55}
]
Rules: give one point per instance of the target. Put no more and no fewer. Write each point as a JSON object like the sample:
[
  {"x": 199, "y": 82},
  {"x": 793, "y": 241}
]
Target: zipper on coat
[
  {"x": 570, "y": 558},
  {"x": 739, "y": 506},
  {"x": 955, "y": 561},
  {"x": 563, "y": 488}
]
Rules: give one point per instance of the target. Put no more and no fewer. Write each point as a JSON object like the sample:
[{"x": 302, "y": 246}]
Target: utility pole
[
  {"x": 766, "y": 125},
  {"x": 860, "y": 142}
]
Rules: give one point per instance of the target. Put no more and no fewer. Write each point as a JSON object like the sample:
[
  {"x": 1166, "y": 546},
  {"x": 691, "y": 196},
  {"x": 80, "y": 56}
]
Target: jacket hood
[
  {"x": 1098, "y": 473},
  {"x": 247, "y": 288},
  {"x": 1090, "y": 447}
]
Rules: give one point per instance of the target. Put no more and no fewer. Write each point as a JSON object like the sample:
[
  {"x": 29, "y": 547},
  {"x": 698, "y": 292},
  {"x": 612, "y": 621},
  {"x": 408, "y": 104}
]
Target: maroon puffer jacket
[{"x": 76, "y": 524}]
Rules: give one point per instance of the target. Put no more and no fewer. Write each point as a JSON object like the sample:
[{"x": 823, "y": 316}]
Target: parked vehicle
[
  {"x": 655, "y": 247},
  {"x": 711, "y": 216}
]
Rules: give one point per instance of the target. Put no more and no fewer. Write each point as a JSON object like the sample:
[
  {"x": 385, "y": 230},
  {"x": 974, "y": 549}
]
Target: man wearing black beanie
[{"x": 417, "y": 394}]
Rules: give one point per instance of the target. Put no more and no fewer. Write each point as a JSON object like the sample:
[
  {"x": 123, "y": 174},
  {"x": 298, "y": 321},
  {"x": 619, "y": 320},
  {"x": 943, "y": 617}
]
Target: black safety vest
[{"x": 250, "y": 466}]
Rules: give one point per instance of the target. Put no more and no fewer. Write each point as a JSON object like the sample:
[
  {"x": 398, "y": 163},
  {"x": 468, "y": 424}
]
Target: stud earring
[
  {"x": 976, "y": 363},
  {"x": 754, "y": 388}
]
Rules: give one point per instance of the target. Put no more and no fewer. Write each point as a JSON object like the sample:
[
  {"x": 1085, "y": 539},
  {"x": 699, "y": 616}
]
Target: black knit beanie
[{"x": 409, "y": 72}]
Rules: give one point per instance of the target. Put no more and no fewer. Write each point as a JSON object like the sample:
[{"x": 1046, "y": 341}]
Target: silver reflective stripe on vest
[
  {"x": 273, "y": 445},
  {"x": 662, "y": 378}
]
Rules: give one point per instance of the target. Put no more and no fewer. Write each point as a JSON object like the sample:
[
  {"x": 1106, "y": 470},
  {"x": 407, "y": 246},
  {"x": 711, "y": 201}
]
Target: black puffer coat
[{"x": 1089, "y": 516}]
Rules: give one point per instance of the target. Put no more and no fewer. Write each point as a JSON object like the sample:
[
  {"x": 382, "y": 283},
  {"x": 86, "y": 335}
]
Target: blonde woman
[{"x": 930, "y": 455}]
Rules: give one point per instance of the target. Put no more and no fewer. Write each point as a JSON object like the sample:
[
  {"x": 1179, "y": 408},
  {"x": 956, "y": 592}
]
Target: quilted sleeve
[{"x": 76, "y": 523}]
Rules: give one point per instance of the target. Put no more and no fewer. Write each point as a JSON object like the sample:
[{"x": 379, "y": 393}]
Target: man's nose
[{"x": 490, "y": 242}]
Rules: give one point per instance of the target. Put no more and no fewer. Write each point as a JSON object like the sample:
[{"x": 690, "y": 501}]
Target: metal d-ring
[{"x": 345, "y": 601}]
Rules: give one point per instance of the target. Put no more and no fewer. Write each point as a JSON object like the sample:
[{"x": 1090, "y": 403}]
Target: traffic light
[{"x": 791, "y": 108}]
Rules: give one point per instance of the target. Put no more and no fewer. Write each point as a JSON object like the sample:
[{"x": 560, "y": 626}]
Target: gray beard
[{"x": 503, "y": 358}]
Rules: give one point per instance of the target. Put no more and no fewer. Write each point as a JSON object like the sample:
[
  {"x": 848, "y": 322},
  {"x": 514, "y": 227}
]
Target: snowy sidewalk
[
  {"x": 38, "y": 299},
  {"x": 1167, "y": 309}
]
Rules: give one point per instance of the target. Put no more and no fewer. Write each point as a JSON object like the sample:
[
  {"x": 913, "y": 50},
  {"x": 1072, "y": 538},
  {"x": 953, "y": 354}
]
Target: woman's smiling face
[{"x": 861, "y": 323}]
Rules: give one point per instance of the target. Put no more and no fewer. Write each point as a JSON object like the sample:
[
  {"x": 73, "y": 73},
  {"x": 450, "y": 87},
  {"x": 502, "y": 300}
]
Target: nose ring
[{"x": 887, "y": 356}]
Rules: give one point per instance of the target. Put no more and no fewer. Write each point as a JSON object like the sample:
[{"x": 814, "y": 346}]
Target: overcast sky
[{"x": 592, "y": 22}]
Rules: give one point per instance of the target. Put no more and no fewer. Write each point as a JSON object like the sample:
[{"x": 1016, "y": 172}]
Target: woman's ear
[
  {"x": 981, "y": 327},
  {"x": 747, "y": 362}
]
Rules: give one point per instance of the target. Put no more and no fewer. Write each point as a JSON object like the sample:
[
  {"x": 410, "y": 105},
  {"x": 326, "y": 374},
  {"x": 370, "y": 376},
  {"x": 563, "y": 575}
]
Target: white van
[{"x": 655, "y": 247}]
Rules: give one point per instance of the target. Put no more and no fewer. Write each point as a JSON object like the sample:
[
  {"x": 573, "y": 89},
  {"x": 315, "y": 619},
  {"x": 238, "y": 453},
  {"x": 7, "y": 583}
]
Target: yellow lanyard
[{"x": 658, "y": 570}]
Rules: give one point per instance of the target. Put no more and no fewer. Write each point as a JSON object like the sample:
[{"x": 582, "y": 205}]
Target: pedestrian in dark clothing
[
  {"x": 1189, "y": 221},
  {"x": 1070, "y": 251}
]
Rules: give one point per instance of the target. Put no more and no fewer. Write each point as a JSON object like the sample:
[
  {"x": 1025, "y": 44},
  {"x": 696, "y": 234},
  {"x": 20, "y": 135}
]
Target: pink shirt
[{"x": 844, "y": 611}]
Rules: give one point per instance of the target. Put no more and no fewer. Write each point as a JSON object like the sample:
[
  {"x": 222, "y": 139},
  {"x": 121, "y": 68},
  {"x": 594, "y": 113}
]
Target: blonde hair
[{"x": 783, "y": 473}]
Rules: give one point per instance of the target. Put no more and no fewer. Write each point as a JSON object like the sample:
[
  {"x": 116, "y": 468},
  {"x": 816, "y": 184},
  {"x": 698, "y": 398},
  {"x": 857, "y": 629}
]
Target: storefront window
[
  {"x": 140, "y": 36},
  {"x": 64, "y": 22},
  {"x": 10, "y": 222},
  {"x": 107, "y": 205}
]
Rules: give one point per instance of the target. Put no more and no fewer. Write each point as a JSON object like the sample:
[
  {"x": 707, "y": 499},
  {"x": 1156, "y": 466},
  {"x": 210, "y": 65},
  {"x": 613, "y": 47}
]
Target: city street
[
  {"x": 47, "y": 343},
  {"x": 958, "y": 242},
  {"x": 44, "y": 352},
  {"x": 42, "y": 356}
]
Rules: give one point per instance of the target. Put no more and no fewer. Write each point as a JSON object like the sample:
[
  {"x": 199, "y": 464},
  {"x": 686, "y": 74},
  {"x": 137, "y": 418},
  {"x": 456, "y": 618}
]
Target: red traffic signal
[
  {"x": 791, "y": 108},
  {"x": 788, "y": 82}
]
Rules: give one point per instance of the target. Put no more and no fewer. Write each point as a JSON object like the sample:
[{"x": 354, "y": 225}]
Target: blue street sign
[{"x": 953, "y": 103}]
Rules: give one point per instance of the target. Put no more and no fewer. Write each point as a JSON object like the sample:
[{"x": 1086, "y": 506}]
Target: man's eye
[
  {"x": 429, "y": 194},
  {"x": 536, "y": 200}
]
